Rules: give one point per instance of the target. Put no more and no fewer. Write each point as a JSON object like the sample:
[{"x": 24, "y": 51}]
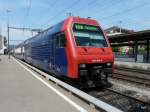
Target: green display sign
[{"x": 85, "y": 27}]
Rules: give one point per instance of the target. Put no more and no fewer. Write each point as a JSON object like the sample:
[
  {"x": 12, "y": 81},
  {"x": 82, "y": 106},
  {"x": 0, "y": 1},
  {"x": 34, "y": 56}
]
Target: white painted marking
[{"x": 81, "y": 109}]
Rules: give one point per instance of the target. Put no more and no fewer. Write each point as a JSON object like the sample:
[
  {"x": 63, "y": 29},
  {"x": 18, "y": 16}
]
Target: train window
[
  {"x": 88, "y": 35},
  {"x": 60, "y": 40}
]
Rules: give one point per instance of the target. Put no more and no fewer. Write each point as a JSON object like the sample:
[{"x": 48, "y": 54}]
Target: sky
[{"x": 41, "y": 14}]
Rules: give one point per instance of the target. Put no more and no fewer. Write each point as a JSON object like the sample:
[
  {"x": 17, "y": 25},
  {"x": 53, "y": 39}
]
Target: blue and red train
[{"x": 75, "y": 49}]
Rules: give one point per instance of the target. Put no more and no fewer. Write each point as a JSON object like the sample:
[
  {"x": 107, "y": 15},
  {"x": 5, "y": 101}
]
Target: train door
[
  {"x": 53, "y": 49},
  {"x": 60, "y": 54}
]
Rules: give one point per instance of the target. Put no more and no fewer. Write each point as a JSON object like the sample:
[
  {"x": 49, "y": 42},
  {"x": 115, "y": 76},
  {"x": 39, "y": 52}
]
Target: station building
[
  {"x": 136, "y": 45},
  {"x": 115, "y": 30}
]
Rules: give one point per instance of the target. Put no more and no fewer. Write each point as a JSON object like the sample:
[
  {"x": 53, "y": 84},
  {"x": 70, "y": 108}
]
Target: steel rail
[
  {"x": 132, "y": 69},
  {"x": 126, "y": 74},
  {"x": 130, "y": 97},
  {"x": 120, "y": 100},
  {"x": 130, "y": 80}
]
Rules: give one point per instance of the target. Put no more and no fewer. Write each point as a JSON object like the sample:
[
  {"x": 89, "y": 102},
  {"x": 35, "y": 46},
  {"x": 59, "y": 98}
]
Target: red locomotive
[{"x": 75, "y": 49}]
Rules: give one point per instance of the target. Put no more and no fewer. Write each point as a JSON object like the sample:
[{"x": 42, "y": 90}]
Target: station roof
[
  {"x": 140, "y": 35},
  {"x": 116, "y": 28}
]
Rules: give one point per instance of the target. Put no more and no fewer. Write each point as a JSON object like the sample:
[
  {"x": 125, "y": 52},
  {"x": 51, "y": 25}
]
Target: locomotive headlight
[
  {"x": 82, "y": 65},
  {"x": 108, "y": 64}
]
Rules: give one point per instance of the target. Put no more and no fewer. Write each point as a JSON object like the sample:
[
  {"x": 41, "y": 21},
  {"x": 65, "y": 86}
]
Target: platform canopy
[
  {"x": 135, "y": 36},
  {"x": 133, "y": 39}
]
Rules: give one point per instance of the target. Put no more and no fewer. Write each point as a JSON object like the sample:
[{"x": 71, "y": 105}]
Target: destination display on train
[{"x": 85, "y": 27}]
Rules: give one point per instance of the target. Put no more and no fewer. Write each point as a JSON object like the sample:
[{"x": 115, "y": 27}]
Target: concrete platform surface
[{"x": 21, "y": 92}]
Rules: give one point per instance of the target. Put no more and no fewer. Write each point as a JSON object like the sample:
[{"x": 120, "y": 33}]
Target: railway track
[
  {"x": 121, "y": 101},
  {"x": 113, "y": 98},
  {"x": 133, "y": 76},
  {"x": 132, "y": 79},
  {"x": 133, "y": 70}
]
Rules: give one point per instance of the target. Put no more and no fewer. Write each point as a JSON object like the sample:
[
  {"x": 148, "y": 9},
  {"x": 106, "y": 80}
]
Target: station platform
[
  {"x": 143, "y": 66},
  {"x": 22, "y": 92}
]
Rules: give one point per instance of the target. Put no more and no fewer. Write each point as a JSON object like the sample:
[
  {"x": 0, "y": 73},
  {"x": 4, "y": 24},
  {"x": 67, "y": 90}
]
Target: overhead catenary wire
[
  {"x": 28, "y": 8},
  {"x": 95, "y": 3},
  {"x": 101, "y": 9},
  {"x": 89, "y": 3},
  {"x": 125, "y": 11},
  {"x": 28, "y": 12},
  {"x": 130, "y": 22},
  {"x": 105, "y": 6},
  {"x": 72, "y": 5},
  {"x": 50, "y": 5},
  {"x": 61, "y": 12}
]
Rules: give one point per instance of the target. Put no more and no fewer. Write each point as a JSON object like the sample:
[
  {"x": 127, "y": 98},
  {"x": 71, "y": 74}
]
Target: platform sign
[{"x": 140, "y": 58}]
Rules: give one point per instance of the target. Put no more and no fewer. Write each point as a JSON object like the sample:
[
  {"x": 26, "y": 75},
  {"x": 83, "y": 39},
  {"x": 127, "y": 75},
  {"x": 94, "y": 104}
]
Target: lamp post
[
  {"x": 120, "y": 22},
  {"x": 8, "y": 11},
  {"x": 69, "y": 14}
]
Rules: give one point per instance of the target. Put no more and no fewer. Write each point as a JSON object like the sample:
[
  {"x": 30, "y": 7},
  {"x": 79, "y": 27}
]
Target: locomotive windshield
[{"x": 89, "y": 36}]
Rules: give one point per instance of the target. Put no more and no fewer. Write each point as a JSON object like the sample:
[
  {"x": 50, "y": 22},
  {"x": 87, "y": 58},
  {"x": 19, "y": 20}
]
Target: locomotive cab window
[
  {"x": 88, "y": 36},
  {"x": 60, "y": 40}
]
